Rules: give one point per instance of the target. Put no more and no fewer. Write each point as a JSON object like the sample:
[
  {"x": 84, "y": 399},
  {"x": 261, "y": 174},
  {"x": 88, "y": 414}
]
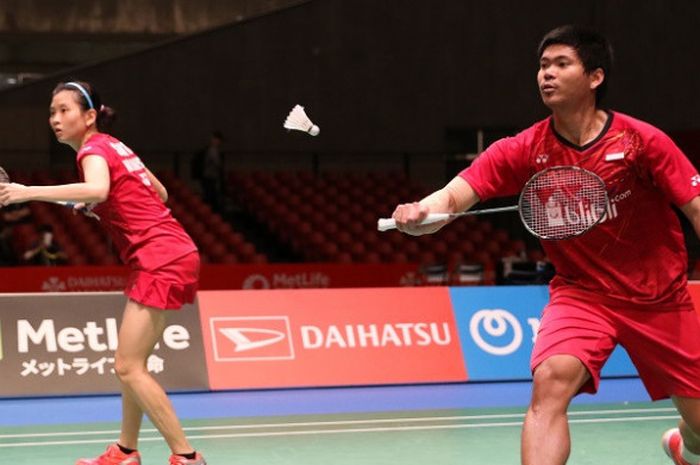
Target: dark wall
[{"x": 376, "y": 75}]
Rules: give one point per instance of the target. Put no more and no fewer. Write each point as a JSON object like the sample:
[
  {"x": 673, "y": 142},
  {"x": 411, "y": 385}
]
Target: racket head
[
  {"x": 4, "y": 177},
  {"x": 563, "y": 202}
]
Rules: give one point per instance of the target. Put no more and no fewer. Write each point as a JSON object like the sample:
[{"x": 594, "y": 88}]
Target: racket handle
[
  {"x": 86, "y": 211},
  {"x": 385, "y": 224}
]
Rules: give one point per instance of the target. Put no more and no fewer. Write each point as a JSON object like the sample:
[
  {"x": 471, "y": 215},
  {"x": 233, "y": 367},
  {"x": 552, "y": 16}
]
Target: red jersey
[
  {"x": 637, "y": 253},
  {"x": 140, "y": 225}
]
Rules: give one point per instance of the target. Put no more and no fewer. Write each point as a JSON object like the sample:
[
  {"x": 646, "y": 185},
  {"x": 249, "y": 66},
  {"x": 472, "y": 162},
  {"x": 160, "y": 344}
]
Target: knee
[
  {"x": 554, "y": 385},
  {"x": 126, "y": 369}
]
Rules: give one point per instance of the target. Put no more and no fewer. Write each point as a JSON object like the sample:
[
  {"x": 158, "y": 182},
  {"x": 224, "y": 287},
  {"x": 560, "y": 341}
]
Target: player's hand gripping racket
[
  {"x": 5, "y": 178},
  {"x": 557, "y": 203}
]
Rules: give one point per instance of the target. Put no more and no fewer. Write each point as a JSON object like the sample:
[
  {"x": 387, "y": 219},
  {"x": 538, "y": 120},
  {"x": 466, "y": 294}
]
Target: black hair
[
  {"x": 105, "y": 114},
  {"x": 592, "y": 48}
]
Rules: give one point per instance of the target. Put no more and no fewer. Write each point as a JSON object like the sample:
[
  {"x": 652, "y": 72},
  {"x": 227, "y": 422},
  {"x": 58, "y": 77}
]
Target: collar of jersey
[{"x": 581, "y": 148}]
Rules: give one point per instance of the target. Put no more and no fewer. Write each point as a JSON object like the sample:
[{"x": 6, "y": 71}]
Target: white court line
[
  {"x": 346, "y": 430},
  {"x": 341, "y": 422}
]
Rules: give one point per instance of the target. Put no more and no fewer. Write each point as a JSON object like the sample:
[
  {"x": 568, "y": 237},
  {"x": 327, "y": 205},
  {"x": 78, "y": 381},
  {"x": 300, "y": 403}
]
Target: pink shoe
[
  {"x": 671, "y": 442},
  {"x": 113, "y": 456},
  {"x": 180, "y": 460}
]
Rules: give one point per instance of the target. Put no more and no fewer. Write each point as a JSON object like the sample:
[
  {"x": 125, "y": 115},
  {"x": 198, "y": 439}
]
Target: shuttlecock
[{"x": 298, "y": 121}]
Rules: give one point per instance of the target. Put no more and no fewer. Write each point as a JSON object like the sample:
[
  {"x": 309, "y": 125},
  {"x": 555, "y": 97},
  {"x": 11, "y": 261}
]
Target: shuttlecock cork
[{"x": 298, "y": 121}]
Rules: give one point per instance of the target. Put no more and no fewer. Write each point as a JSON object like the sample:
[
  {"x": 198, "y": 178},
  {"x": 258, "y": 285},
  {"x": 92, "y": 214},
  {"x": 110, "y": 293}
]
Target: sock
[
  {"x": 688, "y": 456},
  {"x": 190, "y": 456},
  {"x": 125, "y": 450}
]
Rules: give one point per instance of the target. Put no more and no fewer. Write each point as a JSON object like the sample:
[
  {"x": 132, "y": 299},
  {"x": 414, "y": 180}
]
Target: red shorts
[
  {"x": 664, "y": 346},
  {"x": 168, "y": 287}
]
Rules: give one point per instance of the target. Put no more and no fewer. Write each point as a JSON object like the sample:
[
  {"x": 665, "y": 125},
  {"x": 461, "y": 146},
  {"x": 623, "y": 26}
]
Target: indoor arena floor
[{"x": 401, "y": 425}]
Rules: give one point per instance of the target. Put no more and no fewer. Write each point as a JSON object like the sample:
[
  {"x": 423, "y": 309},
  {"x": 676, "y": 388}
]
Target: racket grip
[{"x": 384, "y": 224}]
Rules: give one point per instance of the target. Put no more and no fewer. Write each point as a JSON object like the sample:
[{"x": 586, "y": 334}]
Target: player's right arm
[
  {"x": 94, "y": 189},
  {"x": 457, "y": 196},
  {"x": 499, "y": 171}
]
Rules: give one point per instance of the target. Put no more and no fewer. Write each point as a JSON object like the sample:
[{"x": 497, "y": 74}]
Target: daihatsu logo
[
  {"x": 255, "y": 338},
  {"x": 241, "y": 337}
]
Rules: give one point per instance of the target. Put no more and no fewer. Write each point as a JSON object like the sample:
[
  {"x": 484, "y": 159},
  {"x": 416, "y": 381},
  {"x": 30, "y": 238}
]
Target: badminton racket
[
  {"x": 5, "y": 178},
  {"x": 557, "y": 203}
]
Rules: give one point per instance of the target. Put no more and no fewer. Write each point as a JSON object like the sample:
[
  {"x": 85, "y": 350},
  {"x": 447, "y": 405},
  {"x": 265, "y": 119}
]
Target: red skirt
[{"x": 168, "y": 287}]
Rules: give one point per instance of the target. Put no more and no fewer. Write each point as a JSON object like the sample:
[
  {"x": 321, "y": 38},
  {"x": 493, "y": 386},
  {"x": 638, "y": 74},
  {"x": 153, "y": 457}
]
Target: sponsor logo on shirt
[
  {"x": 611, "y": 208},
  {"x": 121, "y": 149},
  {"x": 561, "y": 215},
  {"x": 542, "y": 158},
  {"x": 614, "y": 156},
  {"x": 695, "y": 180}
]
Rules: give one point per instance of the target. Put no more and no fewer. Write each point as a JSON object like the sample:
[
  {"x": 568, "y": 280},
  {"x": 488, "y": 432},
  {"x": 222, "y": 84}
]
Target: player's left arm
[
  {"x": 692, "y": 211},
  {"x": 94, "y": 189},
  {"x": 674, "y": 175}
]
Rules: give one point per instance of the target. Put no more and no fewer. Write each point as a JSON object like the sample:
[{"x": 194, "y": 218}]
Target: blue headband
[{"x": 82, "y": 91}]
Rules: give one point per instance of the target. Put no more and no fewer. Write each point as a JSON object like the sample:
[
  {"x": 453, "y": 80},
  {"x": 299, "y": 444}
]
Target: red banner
[
  {"x": 335, "y": 337},
  {"x": 113, "y": 278}
]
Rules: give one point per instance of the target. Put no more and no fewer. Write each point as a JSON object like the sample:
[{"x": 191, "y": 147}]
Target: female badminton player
[{"x": 164, "y": 261}]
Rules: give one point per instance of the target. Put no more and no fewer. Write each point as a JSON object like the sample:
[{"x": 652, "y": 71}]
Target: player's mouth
[{"x": 548, "y": 88}]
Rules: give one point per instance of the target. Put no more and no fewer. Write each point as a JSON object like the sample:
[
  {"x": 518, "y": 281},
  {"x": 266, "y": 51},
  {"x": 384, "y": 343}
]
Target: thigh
[
  {"x": 140, "y": 330},
  {"x": 578, "y": 329},
  {"x": 665, "y": 349}
]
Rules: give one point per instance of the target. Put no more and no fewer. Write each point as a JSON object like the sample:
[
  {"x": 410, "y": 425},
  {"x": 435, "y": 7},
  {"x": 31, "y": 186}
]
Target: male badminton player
[
  {"x": 622, "y": 282},
  {"x": 164, "y": 261}
]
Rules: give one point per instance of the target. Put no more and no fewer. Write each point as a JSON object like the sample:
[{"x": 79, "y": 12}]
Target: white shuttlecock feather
[{"x": 298, "y": 121}]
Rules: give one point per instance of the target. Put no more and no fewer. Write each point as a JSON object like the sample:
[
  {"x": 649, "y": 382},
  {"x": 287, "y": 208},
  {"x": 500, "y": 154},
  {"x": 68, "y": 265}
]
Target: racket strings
[{"x": 563, "y": 203}]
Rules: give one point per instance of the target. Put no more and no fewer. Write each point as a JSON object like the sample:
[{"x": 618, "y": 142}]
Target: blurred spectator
[
  {"x": 11, "y": 216},
  {"x": 7, "y": 254},
  {"x": 208, "y": 168},
  {"x": 46, "y": 250},
  {"x": 17, "y": 213}
]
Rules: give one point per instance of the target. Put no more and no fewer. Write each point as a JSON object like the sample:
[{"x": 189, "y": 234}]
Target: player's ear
[
  {"x": 596, "y": 78},
  {"x": 90, "y": 117}
]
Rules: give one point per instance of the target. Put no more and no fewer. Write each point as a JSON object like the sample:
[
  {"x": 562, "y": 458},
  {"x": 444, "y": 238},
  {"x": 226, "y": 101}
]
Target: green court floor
[{"x": 602, "y": 435}]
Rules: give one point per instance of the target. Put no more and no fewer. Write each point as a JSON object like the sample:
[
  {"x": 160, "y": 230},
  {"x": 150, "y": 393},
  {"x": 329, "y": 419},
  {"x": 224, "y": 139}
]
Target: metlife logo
[{"x": 65, "y": 344}]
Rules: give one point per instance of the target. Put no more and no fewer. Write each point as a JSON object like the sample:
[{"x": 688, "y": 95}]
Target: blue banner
[{"x": 497, "y": 329}]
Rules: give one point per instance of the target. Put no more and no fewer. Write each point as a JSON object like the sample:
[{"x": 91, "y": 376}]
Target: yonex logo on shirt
[
  {"x": 542, "y": 158},
  {"x": 695, "y": 180}
]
